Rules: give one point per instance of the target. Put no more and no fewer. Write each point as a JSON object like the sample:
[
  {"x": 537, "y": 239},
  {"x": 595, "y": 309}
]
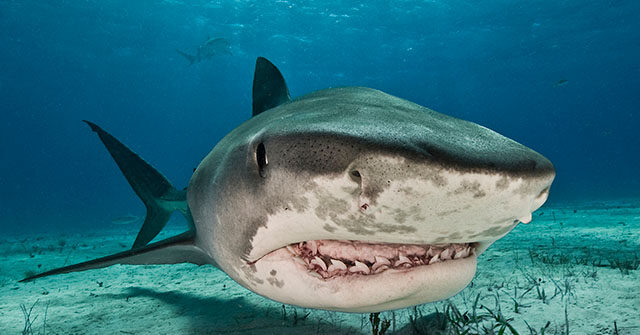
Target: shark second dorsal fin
[{"x": 269, "y": 88}]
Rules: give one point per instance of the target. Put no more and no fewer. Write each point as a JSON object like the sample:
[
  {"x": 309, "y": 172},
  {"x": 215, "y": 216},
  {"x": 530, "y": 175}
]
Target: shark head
[{"x": 354, "y": 200}]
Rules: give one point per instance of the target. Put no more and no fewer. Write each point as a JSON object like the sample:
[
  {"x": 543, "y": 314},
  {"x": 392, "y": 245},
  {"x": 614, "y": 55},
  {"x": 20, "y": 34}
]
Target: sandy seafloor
[{"x": 578, "y": 258}]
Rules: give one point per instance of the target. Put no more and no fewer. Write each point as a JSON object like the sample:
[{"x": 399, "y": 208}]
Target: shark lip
[{"x": 331, "y": 259}]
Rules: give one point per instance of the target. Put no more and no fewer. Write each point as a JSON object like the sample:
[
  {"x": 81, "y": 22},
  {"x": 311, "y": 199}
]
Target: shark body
[
  {"x": 209, "y": 49},
  {"x": 344, "y": 199}
]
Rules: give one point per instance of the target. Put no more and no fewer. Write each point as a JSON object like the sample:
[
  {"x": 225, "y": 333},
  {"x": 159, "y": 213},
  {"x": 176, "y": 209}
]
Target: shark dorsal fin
[{"x": 269, "y": 88}]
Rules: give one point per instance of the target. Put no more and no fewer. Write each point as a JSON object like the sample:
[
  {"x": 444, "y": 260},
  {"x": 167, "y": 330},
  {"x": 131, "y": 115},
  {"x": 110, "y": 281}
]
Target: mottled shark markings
[
  {"x": 502, "y": 183},
  {"x": 470, "y": 187},
  {"x": 273, "y": 280},
  {"x": 345, "y": 199},
  {"x": 366, "y": 224},
  {"x": 329, "y": 207},
  {"x": 494, "y": 231}
]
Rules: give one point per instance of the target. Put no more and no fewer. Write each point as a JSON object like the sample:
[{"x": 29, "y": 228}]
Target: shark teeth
[
  {"x": 380, "y": 262},
  {"x": 360, "y": 267},
  {"x": 445, "y": 255},
  {"x": 291, "y": 250},
  {"x": 381, "y": 269},
  {"x": 313, "y": 246},
  {"x": 330, "y": 258},
  {"x": 319, "y": 262},
  {"x": 337, "y": 265},
  {"x": 402, "y": 260}
]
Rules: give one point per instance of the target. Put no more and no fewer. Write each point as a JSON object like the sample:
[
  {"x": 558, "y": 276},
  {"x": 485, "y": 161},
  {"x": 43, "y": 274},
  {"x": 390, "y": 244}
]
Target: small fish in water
[
  {"x": 126, "y": 220},
  {"x": 212, "y": 47},
  {"x": 561, "y": 82}
]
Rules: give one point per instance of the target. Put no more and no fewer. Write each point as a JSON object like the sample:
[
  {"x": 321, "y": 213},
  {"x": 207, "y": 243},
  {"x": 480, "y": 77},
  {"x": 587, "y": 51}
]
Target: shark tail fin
[
  {"x": 176, "y": 249},
  {"x": 156, "y": 192},
  {"x": 190, "y": 58}
]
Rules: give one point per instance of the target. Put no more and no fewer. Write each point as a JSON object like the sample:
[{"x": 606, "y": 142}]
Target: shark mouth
[{"x": 328, "y": 259}]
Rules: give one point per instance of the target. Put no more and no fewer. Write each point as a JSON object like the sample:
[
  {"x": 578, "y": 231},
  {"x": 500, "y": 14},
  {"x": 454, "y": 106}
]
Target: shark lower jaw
[{"x": 353, "y": 276}]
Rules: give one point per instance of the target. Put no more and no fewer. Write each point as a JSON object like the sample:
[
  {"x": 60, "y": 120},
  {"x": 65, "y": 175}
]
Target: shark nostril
[{"x": 356, "y": 177}]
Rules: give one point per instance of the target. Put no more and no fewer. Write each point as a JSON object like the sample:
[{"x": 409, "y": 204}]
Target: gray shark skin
[
  {"x": 345, "y": 199},
  {"x": 209, "y": 49}
]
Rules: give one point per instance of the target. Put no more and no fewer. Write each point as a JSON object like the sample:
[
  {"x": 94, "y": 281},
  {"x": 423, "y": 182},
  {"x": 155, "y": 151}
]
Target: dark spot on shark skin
[
  {"x": 502, "y": 183},
  {"x": 439, "y": 239},
  {"x": 449, "y": 212},
  {"x": 455, "y": 236},
  {"x": 352, "y": 225},
  {"x": 493, "y": 231},
  {"x": 329, "y": 228},
  {"x": 372, "y": 191},
  {"x": 249, "y": 271},
  {"x": 400, "y": 216},
  {"x": 527, "y": 187},
  {"x": 275, "y": 282},
  {"x": 330, "y": 206},
  {"x": 470, "y": 187},
  {"x": 419, "y": 218},
  {"x": 273, "y": 272},
  {"x": 437, "y": 179},
  {"x": 406, "y": 190},
  {"x": 300, "y": 204}
]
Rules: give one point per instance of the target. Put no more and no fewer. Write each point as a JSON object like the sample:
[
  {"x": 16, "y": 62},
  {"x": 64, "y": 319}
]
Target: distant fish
[
  {"x": 561, "y": 82},
  {"x": 212, "y": 47},
  {"x": 126, "y": 220}
]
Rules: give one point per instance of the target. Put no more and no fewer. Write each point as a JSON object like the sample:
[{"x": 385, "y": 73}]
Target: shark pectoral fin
[
  {"x": 190, "y": 58},
  {"x": 155, "y": 191},
  {"x": 269, "y": 87},
  {"x": 177, "y": 249}
]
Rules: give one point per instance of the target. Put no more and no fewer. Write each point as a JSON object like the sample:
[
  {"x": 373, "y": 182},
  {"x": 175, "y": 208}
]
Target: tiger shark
[
  {"x": 209, "y": 49},
  {"x": 345, "y": 199}
]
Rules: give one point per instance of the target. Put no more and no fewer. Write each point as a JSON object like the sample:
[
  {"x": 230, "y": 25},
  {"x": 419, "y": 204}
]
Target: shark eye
[{"x": 261, "y": 159}]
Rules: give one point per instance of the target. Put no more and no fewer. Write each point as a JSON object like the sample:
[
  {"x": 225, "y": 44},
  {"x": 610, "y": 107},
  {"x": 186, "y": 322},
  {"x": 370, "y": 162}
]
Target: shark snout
[{"x": 426, "y": 199}]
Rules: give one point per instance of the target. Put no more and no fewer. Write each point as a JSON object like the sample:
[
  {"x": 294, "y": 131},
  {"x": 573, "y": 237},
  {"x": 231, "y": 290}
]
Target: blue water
[{"x": 497, "y": 63}]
